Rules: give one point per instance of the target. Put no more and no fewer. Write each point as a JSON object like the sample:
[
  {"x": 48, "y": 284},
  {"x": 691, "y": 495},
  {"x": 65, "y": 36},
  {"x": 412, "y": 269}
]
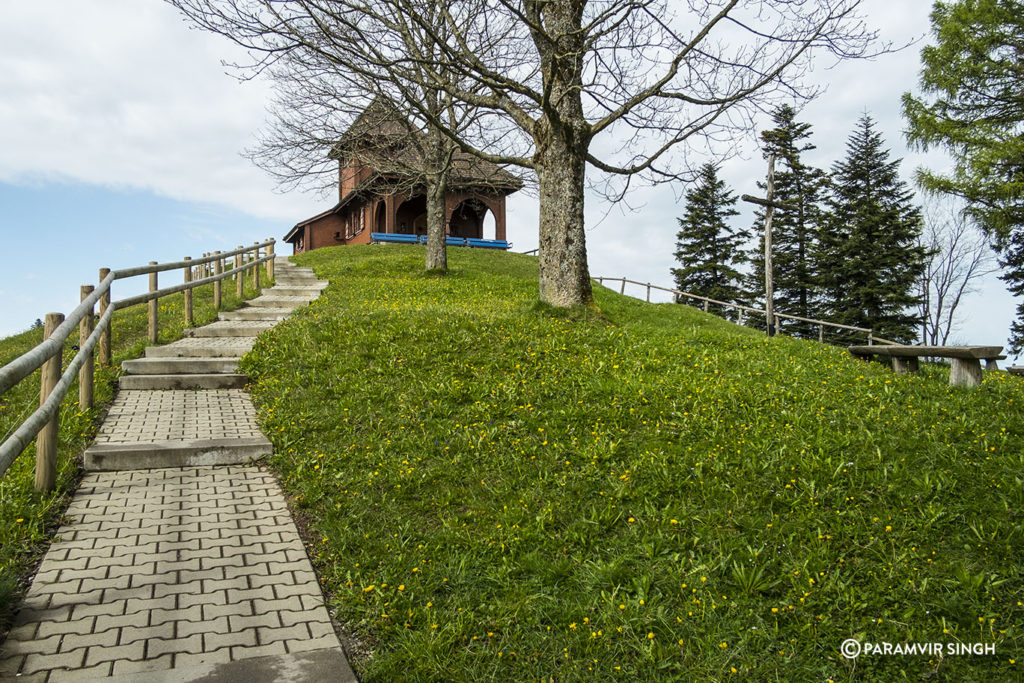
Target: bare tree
[
  {"x": 563, "y": 84},
  {"x": 959, "y": 256},
  {"x": 320, "y": 96}
]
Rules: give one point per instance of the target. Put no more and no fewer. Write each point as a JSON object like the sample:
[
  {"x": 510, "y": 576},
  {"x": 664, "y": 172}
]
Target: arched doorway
[
  {"x": 411, "y": 217},
  {"x": 468, "y": 219},
  {"x": 380, "y": 220}
]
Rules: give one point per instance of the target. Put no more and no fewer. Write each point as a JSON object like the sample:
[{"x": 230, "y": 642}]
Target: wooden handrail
[
  {"x": 30, "y": 361},
  {"x": 23, "y": 435},
  {"x": 825, "y": 323},
  {"x": 147, "y": 296},
  {"x": 51, "y": 349},
  {"x": 178, "y": 265}
]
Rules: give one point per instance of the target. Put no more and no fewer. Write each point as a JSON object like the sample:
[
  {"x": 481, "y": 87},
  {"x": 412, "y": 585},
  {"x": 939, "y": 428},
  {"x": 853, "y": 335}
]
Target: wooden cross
[{"x": 770, "y": 206}]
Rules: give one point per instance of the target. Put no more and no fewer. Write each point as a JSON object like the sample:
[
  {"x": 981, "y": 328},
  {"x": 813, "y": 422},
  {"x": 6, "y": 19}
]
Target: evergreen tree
[
  {"x": 707, "y": 247},
  {"x": 871, "y": 256},
  {"x": 971, "y": 106},
  {"x": 794, "y": 231}
]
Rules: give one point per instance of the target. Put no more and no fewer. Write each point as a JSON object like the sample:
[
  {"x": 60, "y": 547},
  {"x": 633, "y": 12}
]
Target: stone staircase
[
  {"x": 177, "y": 570},
  {"x": 155, "y": 421}
]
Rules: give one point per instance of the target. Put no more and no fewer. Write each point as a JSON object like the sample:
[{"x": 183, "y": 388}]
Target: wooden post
[
  {"x": 46, "y": 441},
  {"x": 770, "y": 206},
  {"x": 705, "y": 306},
  {"x": 622, "y": 290},
  {"x": 238, "y": 279},
  {"x": 217, "y": 270},
  {"x": 821, "y": 334},
  {"x": 871, "y": 337},
  {"x": 256, "y": 269},
  {"x": 270, "y": 263},
  {"x": 105, "y": 334},
  {"x": 188, "y": 292},
  {"x": 648, "y": 293},
  {"x": 154, "y": 322},
  {"x": 741, "y": 316},
  {"x": 769, "y": 293},
  {"x": 86, "y": 371}
]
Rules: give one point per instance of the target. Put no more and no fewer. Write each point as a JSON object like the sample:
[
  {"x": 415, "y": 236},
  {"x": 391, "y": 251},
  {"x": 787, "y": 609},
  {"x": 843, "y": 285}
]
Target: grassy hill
[{"x": 499, "y": 491}]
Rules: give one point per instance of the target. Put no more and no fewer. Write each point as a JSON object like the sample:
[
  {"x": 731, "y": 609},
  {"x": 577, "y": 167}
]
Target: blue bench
[
  {"x": 450, "y": 241},
  {"x": 489, "y": 244},
  {"x": 394, "y": 237}
]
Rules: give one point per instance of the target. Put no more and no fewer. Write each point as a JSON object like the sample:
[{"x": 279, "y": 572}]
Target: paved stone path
[
  {"x": 169, "y": 415},
  {"x": 177, "y": 573}
]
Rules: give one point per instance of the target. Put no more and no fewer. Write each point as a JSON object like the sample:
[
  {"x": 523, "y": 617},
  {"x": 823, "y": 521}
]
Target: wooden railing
[
  {"x": 47, "y": 356},
  {"x": 822, "y": 324}
]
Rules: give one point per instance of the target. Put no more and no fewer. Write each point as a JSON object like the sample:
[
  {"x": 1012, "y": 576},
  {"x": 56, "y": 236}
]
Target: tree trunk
[
  {"x": 561, "y": 138},
  {"x": 437, "y": 251},
  {"x": 562, "y": 256}
]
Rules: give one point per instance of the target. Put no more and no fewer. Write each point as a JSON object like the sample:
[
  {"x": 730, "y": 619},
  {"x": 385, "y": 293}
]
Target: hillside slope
[{"x": 504, "y": 493}]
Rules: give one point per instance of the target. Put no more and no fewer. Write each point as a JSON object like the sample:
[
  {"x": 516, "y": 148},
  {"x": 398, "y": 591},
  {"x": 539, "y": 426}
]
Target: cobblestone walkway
[
  {"x": 169, "y": 415},
  {"x": 176, "y": 573}
]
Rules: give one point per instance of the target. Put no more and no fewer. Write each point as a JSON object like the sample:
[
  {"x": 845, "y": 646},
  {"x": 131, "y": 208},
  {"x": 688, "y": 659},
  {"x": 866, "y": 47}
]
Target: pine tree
[
  {"x": 971, "y": 106},
  {"x": 794, "y": 231},
  {"x": 708, "y": 249},
  {"x": 871, "y": 258}
]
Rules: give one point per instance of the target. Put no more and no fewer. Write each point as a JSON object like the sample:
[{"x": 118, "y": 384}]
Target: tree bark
[
  {"x": 437, "y": 251},
  {"x": 561, "y": 137},
  {"x": 562, "y": 256}
]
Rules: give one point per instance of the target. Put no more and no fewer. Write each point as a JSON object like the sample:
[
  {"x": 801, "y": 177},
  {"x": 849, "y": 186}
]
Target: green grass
[
  {"x": 27, "y": 517},
  {"x": 641, "y": 493}
]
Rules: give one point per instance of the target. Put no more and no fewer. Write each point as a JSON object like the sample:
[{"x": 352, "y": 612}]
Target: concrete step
[
  {"x": 194, "y": 381},
  {"x": 309, "y": 293},
  {"x": 224, "y": 347},
  {"x": 271, "y": 301},
  {"x": 231, "y": 328},
  {"x": 256, "y": 313},
  {"x": 313, "y": 285},
  {"x": 297, "y": 281},
  {"x": 198, "y": 453},
  {"x": 180, "y": 366}
]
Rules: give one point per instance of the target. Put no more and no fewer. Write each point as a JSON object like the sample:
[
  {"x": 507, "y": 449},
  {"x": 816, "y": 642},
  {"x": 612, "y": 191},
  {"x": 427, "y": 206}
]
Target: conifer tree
[
  {"x": 972, "y": 107},
  {"x": 708, "y": 248},
  {"x": 794, "y": 231},
  {"x": 871, "y": 256}
]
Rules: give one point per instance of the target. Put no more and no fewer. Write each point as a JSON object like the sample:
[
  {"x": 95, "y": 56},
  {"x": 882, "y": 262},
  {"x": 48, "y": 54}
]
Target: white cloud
[{"x": 121, "y": 93}]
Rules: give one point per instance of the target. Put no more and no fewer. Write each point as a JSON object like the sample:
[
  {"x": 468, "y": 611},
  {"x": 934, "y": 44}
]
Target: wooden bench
[{"x": 965, "y": 361}]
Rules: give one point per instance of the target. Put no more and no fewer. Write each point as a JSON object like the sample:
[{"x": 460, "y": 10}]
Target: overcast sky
[{"x": 121, "y": 134}]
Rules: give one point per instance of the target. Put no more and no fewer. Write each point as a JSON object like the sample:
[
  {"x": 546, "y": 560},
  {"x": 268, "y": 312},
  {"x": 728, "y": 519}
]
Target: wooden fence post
[
  {"x": 622, "y": 289},
  {"x": 648, "y": 293},
  {"x": 741, "y": 316},
  {"x": 238, "y": 280},
  {"x": 821, "y": 334},
  {"x": 46, "y": 441},
  {"x": 153, "y": 307},
  {"x": 705, "y": 306},
  {"x": 217, "y": 270},
  {"x": 188, "y": 292},
  {"x": 270, "y": 263},
  {"x": 85, "y": 373},
  {"x": 105, "y": 334},
  {"x": 256, "y": 269}
]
